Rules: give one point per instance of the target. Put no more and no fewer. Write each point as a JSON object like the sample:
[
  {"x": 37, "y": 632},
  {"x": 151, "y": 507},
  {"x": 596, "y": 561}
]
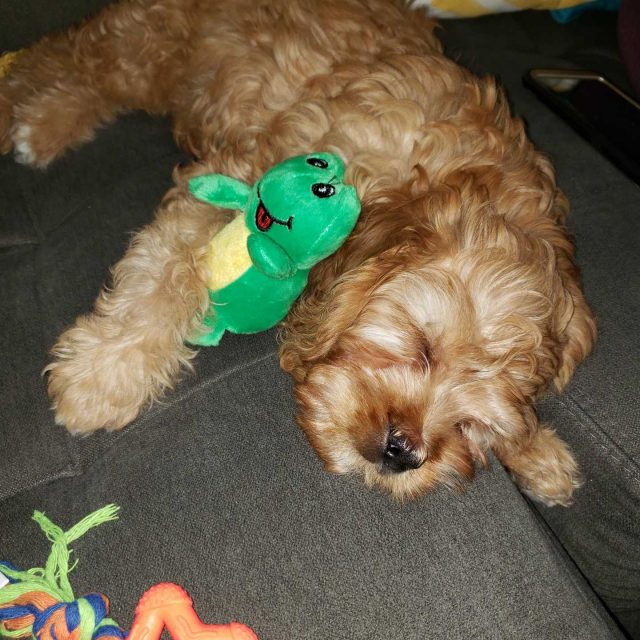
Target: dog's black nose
[{"x": 398, "y": 455}]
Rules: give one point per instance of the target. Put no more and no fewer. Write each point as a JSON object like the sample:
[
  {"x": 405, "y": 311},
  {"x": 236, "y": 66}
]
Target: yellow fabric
[
  {"x": 473, "y": 8},
  {"x": 228, "y": 255},
  {"x": 7, "y": 60},
  {"x": 459, "y": 7}
]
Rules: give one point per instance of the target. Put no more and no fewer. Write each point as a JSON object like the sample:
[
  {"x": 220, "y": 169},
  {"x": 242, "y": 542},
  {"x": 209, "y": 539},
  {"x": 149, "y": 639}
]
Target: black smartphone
[{"x": 597, "y": 109}]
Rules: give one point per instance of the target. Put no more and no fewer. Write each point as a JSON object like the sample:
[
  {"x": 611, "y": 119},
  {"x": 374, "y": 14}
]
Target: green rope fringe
[{"x": 53, "y": 579}]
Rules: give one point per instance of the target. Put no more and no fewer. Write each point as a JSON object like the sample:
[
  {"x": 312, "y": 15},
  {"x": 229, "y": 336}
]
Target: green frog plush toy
[{"x": 297, "y": 214}]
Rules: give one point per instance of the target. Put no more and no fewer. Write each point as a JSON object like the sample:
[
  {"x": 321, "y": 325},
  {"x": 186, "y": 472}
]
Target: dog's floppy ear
[
  {"x": 317, "y": 321},
  {"x": 324, "y": 316},
  {"x": 537, "y": 459},
  {"x": 499, "y": 416},
  {"x": 353, "y": 321}
]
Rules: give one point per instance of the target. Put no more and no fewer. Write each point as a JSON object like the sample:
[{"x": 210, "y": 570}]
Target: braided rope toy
[{"x": 39, "y": 603}]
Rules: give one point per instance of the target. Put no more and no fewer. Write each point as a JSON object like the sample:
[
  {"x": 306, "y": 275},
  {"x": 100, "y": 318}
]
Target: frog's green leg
[
  {"x": 211, "y": 333},
  {"x": 220, "y": 191},
  {"x": 270, "y": 258}
]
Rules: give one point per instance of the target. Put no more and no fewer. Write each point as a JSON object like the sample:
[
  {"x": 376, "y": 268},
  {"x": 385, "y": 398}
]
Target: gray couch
[{"x": 220, "y": 491}]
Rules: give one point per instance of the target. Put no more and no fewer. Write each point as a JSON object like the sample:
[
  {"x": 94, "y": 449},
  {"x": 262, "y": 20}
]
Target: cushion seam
[
  {"x": 176, "y": 399},
  {"x": 599, "y": 435},
  {"x": 70, "y": 471}
]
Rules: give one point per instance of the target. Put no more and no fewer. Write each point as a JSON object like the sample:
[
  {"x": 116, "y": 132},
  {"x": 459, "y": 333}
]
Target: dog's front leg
[
  {"x": 114, "y": 361},
  {"x": 542, "y": 466}
]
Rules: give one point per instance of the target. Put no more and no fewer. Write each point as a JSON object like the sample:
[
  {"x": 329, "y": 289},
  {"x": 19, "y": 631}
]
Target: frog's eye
[
  {"x": 318, "y": 162},
  {"x": 322, "y": 190}
]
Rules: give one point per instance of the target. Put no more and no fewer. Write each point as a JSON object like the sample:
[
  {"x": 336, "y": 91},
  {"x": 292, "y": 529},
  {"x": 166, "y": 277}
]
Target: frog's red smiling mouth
[{"x": 264, "y": 220}]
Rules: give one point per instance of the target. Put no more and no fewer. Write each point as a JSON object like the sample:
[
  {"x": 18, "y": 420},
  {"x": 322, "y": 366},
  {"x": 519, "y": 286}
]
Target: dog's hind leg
[
  {"x": 114, "y": 361},
  {"x": 67, "y": 85}
]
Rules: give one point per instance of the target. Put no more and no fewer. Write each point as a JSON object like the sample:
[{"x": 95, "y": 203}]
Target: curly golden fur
[{"x": 424, "y": 342}]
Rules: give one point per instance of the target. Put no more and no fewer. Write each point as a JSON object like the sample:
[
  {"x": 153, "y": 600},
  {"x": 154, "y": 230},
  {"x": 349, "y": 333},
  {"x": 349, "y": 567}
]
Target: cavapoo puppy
[{"x": 424, "y": 341}]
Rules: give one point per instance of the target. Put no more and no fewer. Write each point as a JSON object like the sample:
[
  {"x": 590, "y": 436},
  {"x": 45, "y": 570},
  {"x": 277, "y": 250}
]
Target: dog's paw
[
  {"x": 32, "y": 141},
  {"x": 93, "y": 382},
  {"x": 82, "y": 402},
  {"x": 40, "y": 127},
  {"x": 23, "y": 150},
  {"x": 554, "y": 489},
  {"x": 35, "y": 121},
  {"x": 546, "y": 471},
  {"x": 16, "y": 131},
  {"x": 44, "y": 129},
  {"x": 104, "y": 372}
]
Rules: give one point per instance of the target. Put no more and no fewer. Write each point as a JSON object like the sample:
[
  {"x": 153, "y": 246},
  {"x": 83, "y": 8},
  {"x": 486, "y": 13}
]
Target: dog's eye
[
  {"x": 322, "y": 190},
  {"x": 318, "y": 162}
]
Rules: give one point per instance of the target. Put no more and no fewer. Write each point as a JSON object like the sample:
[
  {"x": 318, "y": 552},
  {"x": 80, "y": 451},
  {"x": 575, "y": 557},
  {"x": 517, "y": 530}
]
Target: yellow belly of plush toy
[{"x": 228, "y": 255}]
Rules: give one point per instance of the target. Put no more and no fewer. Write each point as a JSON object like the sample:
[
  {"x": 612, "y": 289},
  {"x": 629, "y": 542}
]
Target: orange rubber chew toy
[
  {"x": 168, "y": 605},
  {"x": 40, "y": 604}
]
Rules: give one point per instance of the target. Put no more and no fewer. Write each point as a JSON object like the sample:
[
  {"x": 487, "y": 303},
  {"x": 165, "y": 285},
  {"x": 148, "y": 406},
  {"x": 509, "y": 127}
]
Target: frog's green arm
[
  {"x": 269, "y": 257},
  {"x": 220, "y": 191}
]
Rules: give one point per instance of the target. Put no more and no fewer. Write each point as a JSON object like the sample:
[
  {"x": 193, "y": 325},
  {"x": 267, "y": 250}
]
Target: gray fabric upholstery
[
  {"x": 219, "y": 489},
  {"x": 221, "y": 492},
  {"x": 22, "y": 22}
]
